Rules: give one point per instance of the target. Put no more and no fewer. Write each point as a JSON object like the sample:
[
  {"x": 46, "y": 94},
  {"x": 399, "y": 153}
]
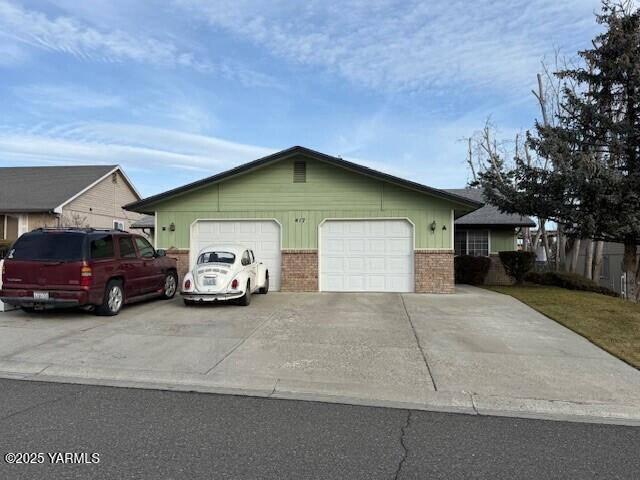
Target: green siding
[
  {"x": 330, "y": 192},
  {"x": 503, "y": 240}
]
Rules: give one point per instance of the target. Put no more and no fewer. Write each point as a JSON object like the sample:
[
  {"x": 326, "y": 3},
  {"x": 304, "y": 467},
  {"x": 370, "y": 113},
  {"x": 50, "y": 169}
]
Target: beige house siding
[
  {"x": 102, "y": 204},
  {"x": 41, "y": 220}
]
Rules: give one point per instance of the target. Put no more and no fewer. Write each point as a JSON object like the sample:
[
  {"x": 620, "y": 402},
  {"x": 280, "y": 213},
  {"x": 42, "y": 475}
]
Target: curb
[{"x": 440, "y": 401}]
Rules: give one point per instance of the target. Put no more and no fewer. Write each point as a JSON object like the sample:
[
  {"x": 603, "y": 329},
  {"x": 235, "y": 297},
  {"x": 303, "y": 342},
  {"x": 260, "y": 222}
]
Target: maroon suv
[{"x": 52, "y": 268}]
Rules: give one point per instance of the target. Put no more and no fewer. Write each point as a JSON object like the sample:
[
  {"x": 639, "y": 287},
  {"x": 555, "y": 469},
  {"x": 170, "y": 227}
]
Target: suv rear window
[{"x": 63, "y": 246}]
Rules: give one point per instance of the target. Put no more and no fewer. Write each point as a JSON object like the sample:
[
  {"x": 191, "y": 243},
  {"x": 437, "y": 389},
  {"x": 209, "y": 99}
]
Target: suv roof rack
[{"x": 78, "y": 229}]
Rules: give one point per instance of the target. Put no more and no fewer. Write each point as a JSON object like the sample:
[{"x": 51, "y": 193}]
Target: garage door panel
[
  {"x": 355, "y": 228},
  {"x": 376, "y": 282},
  {"x": 262, "y": 236},
  {"x": 376, "y": 264},
  {"x": 355, "y": 283},
  {"x": 356, "y": 264},
  {"x": 376, "y": 246},
  {"x": 335, "y": 246},
  {"x": 377, "y": 228},
  {"x": 366, "y": 255},
  {"x": 356, "y": 246},
  {"x": 334, "y": 264}
]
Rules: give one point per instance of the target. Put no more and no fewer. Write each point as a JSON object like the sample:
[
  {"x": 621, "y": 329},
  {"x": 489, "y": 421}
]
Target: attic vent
[
  {"x": 114, "y": 177},
  {"x": 299, "y": 171}
]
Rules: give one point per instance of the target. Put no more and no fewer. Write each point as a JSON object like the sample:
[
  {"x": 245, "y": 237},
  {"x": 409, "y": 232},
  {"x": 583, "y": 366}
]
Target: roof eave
[
  {"x": 143, "y": 205},
  {"x": 27, "y": 210}
]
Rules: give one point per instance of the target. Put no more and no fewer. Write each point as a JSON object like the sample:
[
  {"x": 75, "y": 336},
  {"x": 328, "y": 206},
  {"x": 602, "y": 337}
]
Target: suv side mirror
[{"x": 161, "y": 253}]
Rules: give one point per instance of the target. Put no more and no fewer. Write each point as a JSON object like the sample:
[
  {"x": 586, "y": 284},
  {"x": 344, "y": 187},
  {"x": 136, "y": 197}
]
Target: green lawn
[{"x": 610, "y": 323}]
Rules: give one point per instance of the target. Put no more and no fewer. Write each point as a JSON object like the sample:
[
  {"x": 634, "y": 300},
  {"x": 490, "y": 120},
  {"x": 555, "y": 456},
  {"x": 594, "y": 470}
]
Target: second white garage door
[
  {"x": 262, "y": 236},
  {"x": 366, "y": 256}
]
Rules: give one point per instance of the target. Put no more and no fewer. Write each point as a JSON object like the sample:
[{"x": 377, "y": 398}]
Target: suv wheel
[
  {"x": 245, "y": 300},
  {"x": 113, "y": 299},
  {"x": 170, "y": 285}
]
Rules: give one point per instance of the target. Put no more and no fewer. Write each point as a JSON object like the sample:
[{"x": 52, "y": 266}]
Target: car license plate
[
  {"x": 41, "y": 295},
  {"x": 210, "y": 281}
]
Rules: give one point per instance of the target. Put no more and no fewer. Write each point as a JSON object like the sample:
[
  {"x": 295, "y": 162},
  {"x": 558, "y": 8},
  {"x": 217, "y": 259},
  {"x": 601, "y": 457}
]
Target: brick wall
[
  {"x": 434, "y": 271},
  {"x": 497, "y": 275},
  {"x": 182, "y": 256},
  {"x": 299, "y": 271}
]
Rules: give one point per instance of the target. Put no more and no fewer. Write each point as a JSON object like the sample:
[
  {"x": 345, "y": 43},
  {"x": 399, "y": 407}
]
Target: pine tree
[{"x": 593, "y": 189}]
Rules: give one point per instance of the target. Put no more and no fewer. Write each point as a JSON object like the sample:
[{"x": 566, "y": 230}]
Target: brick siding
[
  {"x": 182, "y": 256},
  {"x": 299, "y": 271},
  {"x": 497, "y": 275},
  {"x": 434, "y": 271}
]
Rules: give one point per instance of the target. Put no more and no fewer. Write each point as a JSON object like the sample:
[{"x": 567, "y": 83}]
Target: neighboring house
[
  {"x": 72, "y": 196},
  {"x": 486, "y": 231},
  {"x": 147, "y": 225},
  {"x": 318, "y": 222},
  {"x": 611, "y": 271}
]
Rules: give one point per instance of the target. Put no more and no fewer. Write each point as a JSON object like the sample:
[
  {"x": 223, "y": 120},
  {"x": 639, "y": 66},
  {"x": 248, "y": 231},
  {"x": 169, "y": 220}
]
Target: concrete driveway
[{"x": 476, "y": 352}]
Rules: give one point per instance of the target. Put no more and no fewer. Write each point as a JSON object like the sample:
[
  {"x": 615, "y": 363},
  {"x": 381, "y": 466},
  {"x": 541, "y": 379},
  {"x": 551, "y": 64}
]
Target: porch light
[
  {"x": 433, "y": 226},
  {"x": 172, "y": 227}
]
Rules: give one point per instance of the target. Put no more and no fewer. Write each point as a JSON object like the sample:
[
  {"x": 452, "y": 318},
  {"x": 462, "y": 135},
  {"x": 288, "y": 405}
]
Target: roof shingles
[
  {"x": 41, "y": 189},
  {"x": 488, "y": 215}
]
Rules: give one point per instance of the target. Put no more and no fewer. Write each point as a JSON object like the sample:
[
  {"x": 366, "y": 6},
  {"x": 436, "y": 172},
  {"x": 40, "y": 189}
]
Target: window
[
  {"x": 118, "y": 225},
  {"x": 127, "y": 249},
  {"x": 478, "y": 243},
  {"x": 145, "y": 248},
  {"x": 246, "y": 259},
  {"x": 49, "y": 246},
  {"x": 102, "y": 247},
  {"x": 217, "y": 257},
  {"x": 299, "y": 171},
  {"x": 460, "y": 243},
  {"x": 471, "y": 242}
]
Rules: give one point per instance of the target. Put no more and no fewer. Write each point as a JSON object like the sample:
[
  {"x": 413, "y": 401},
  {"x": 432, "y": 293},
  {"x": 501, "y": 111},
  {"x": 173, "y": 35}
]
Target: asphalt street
[{"x": 159, "y": 434}]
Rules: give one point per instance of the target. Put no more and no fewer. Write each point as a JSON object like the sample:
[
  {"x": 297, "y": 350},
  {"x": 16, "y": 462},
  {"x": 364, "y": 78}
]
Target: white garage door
[
  {"x": 262, "y": 236},
  {"x": 366, "y": 256}
]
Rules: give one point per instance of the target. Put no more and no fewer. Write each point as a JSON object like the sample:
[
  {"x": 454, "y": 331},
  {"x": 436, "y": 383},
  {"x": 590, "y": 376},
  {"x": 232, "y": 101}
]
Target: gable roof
[
  {"x": 488, "y": 214},
  {"x": 142, "y": 205},
  {"x": 45, "y": 189}
]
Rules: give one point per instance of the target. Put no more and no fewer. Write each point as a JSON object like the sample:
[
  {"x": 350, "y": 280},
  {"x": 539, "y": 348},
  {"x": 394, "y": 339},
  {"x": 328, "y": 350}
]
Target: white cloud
[
  {"x": 170, "y": 154},
  {"x": 69, "y": 35},
  {"x": 136, "y": 146},
  {"x": 409, "y": 45},
  {"x": 66, "y": 97}
]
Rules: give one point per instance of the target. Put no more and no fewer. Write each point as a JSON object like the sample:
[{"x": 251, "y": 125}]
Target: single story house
[
  {"x": 321, "y": 223},
  {"x": 146, "y": 225},
  {"x": 487, "y": 231},
  {"x": 70, "y": 196}
]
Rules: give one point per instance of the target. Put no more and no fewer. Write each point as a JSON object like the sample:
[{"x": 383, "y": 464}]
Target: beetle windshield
[{"x": 217, "y": 257}]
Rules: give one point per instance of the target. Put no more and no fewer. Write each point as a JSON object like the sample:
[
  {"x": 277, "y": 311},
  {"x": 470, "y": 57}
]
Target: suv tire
[
  {"x": 170, "y": 285},
  {"x": 113, "y": 299}
]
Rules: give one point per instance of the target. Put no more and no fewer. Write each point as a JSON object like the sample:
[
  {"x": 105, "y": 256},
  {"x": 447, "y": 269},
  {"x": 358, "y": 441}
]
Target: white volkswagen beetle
[{"x": 225, "y": 272}]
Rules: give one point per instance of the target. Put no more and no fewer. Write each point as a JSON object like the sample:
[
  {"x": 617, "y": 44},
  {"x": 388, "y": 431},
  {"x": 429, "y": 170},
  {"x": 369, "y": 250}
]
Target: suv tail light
[
  {"x": 234, "y": 283},
  {"x": 86, "y": 275}
]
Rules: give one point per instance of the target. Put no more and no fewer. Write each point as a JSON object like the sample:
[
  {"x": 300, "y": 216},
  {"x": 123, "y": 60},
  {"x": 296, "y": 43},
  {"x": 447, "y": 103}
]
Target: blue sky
[{"x": 176, "y": 90}]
